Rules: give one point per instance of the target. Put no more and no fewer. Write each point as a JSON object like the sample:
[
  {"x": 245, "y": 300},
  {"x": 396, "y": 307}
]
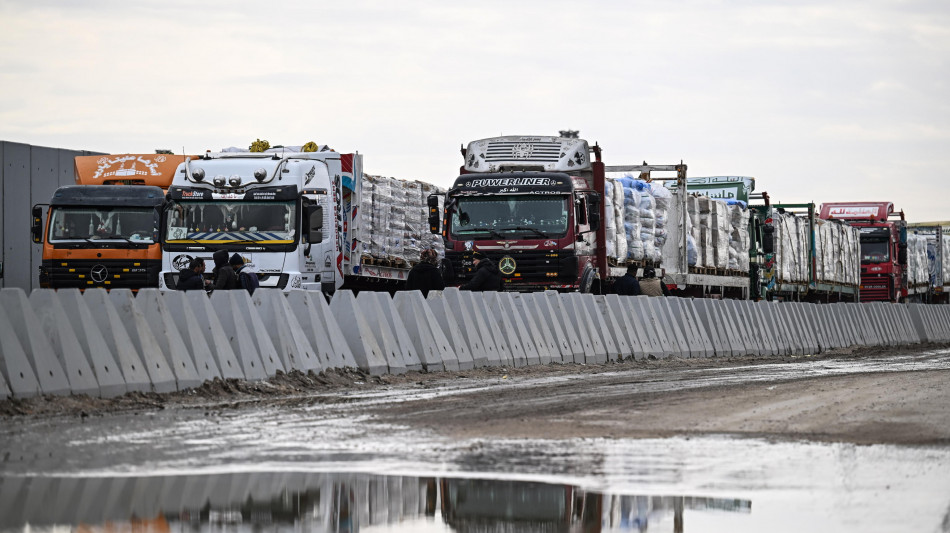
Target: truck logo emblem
[
  {"x": 521, "y": 151},
  {"x": 310, "y": 174},
  {"x": 507, "y": 265},
  {"x": 99, "y": 273},
  {"x": 181, "y": 262}
]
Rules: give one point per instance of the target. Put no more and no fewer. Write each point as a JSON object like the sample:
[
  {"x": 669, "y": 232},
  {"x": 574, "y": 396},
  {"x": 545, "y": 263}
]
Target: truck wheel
[{"x": 587, "y": 280}]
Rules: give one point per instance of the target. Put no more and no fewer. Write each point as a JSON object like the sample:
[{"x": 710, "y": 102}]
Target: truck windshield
[
  {"x": 874, "y": 252},
  {"x": 228, "y": 221},
  {"x": 136, "y": 224},
  {"x": 507, "y": 216}
]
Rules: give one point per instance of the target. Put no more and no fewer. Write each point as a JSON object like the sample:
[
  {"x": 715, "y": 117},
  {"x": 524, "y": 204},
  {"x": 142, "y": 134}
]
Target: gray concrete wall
[{"x": 28, "y": 176}]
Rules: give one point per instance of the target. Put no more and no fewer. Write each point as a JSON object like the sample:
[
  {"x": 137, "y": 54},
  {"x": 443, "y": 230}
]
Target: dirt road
[{"x": 896, "y": 396}]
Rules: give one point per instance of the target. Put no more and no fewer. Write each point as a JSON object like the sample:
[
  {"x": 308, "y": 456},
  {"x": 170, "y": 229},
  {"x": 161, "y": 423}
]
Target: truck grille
[
  {"x": 500, "y": 151},
  {"x": 530, "y": 266},
  {"x": 875, "y": 288},
  {"x": 109, "y": 274}
]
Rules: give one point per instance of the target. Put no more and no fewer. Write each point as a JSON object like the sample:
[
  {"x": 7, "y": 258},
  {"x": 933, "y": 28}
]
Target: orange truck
[{"x": 104, "y": 231}]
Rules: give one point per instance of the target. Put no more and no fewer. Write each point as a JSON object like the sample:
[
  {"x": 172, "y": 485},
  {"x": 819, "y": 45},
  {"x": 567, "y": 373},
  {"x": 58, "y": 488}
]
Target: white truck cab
[{"x": 276, "y": 209}]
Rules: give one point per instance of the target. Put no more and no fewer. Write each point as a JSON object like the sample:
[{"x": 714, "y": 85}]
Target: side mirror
[
  {"x": 902, "y": 254},
  {"x": 435, "y": 217},
  {"x": 593, "y": 211},
  {"x": 36, "y": 227},
  {"x": 314, "y": 223}
]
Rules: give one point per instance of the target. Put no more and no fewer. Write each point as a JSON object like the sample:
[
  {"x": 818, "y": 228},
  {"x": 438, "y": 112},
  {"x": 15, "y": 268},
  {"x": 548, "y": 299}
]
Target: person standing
[
  {"x": 425, "y": 275},
  {"x": 650, "y": 285},
  {"x": 192, "y": 278},
  {"x": 628, "y": 285},
  {"x": 247, "y": 280},
  {"x": 487, "y": 276},
  {"x": 223, "y": 275}
]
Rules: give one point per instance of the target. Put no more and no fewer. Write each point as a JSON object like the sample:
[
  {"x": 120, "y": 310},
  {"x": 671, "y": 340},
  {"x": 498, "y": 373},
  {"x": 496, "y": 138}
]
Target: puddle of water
[
  {"x": 582, "y": 485},
  {"x": 343, "y": 503}
]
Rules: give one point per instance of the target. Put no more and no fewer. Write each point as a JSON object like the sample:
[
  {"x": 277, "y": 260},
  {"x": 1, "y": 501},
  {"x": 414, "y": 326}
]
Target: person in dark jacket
[
  {"x": 650, "y": 285},
  {"x": 487, "y": 276},
  {"x": 192, "y": 278},
  {"x": 628, "y": 285},
  {"x": 223, "y": 275},
  {"x": 247, "y": 280},
  {"x": 425, "y": 275}
]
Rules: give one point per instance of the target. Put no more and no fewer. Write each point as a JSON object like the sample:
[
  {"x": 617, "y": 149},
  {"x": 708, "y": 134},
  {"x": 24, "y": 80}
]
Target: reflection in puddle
[{"x": 335, "y": 503}]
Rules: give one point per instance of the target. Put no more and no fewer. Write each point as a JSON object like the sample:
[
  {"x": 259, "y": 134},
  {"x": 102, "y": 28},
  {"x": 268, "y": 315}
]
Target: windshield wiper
[
  {"x": 524, "y": 228},
  {"x": 490, "y": 231}
]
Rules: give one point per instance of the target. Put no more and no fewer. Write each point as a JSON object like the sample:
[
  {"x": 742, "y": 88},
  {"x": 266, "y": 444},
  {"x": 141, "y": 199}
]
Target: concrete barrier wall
[{"x": 108, "y": 343}]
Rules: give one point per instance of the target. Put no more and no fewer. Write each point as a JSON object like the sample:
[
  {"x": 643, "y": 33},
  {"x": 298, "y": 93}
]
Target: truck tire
[{"x": 587, "y": 280}]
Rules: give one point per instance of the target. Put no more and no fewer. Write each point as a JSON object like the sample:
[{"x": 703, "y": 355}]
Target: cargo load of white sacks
[
  {"x": 717, "y": 232},
  {"x": 392, "y": 222},
  {"x": 922, "y": 259},
  {"x": 837, "y": 250}
]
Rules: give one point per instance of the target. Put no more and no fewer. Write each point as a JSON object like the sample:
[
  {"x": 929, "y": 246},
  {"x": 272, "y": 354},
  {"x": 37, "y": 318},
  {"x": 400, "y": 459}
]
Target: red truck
[
  {"x": 535, "y": 206},
  {"x": 883, "y": 247}
]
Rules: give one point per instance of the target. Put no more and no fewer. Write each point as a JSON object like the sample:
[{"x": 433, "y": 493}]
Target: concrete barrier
[
  {"x": 393, "y": 339},
  {"x": 480, "y": 344},
  {"x": 65, "y": 343},
  {"x": 161, "y": 325},
  {"x": 713, "y": 327},
  {"x": 286, "y": 333},
  {"x": 137, "y": 376},
  {"x": 320, "y": 327},
  {"x": 577, "y": 316},
  {"x": 445, "y": 316},
  {"x": 93, "y": 344},
  {"x": 499, "y": 318},
  {"x": 614, "y": 340},
  {"x": 161, "y": 373},
  {"x": 472, "y": 309},
  {"x": 626, "y": 326},
  {"x": 21, "y": 379},
  {"x": 193, "y": 343},
  {"x": 359, "y": 336},
  {"x": 545, "y": 340},
  {"x": 424, "y": 332},
  {"x": 46, "y": 366},
  {"x": 534, "y": 348},
  {"x": 240, "y": 335},
  {"x": 649, "y": 326},
  {"x": 479, "y": 301},
  {"x": 556, "y": 311},
  {"x": 205, "y": 324}
]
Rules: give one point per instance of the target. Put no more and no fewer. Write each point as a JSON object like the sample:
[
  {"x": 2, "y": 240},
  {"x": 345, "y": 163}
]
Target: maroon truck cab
[
  {"x": 530, "y": 204},
  {"x": 883, "y": 247}
]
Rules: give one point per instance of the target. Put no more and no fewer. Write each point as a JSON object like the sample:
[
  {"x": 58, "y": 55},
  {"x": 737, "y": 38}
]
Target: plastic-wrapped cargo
[
  {"x": 918, "y": 270},
  {"x": 837, "y": 252},
  {"x": 415, "y": 221},
  {"x": 381, "y": 243},
  {"x": 663, "y": 198},
  {"x": 397, "y": 221},
  {"x": 791, "y": 248},
  {"x": 738, "y": 236},
  {"x": 631, "y": 219}
]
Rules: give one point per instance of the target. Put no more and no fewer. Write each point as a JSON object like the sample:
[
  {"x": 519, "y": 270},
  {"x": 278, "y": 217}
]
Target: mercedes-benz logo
[
  {"x": 99, "y": 273},
  {"x": 507, "y": 265}
]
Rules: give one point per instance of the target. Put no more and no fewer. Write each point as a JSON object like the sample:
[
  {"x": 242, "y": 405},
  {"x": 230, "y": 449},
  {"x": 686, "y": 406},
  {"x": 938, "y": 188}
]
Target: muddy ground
[{"x": 628, "y": 399}]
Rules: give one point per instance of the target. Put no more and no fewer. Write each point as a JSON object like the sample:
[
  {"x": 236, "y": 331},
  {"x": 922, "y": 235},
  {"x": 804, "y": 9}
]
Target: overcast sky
[{"x": 819, "y": 101}]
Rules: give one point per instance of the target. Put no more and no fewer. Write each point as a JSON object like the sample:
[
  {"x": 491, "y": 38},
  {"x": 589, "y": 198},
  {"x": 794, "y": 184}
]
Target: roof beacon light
[{"x": 260, "y": 174}]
